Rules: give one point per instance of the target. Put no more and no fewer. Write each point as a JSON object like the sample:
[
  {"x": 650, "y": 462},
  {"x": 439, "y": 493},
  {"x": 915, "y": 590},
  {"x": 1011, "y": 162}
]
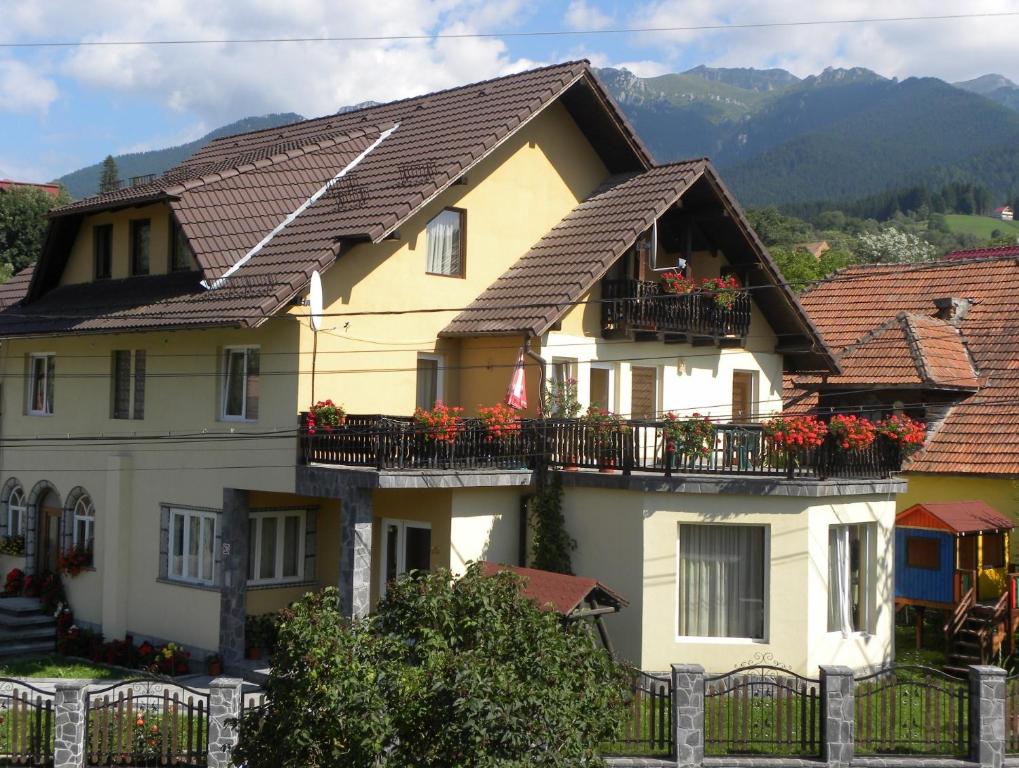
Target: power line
[{"x": 506, "y": 34}]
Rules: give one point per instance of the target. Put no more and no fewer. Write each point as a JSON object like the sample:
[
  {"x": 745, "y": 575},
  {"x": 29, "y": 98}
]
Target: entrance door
[
  {"x": 742, "y": 397},
  {"x": 406, "y": 546},
  {"x": 49, "y": 537}
]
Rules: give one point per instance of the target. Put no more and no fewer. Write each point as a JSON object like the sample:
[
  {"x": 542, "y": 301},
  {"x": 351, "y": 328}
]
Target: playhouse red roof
[
  {"x": 955, "y": 516},
  {"x": 562, "y": 592}
]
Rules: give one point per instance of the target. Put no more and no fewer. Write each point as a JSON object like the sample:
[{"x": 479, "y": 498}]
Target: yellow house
[{"x": 156, "y": 362}]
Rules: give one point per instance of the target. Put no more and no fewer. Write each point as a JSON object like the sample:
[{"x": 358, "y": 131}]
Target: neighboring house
[
  {"x": 983, "y": 253},
  {"x": 157, "y": 358},
  {"x": 53, "y": 190},
  {"x": 1004, "y": 213},
  {"x": 816, "y": 249}
]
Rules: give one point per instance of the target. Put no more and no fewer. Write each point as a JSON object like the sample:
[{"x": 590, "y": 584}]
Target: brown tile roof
[
  {"x": 234, "y": 191},
  {"x": 561, "y": 592},
  {"x": 980, "y": 434},
  {"x": 958, "y": 516}
]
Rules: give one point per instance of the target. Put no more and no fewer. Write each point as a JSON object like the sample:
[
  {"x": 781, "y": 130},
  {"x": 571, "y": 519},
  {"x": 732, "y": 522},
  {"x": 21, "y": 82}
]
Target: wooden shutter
[
  {"x": 742, "y": 396},
  {"x": 643, "y": 392}
]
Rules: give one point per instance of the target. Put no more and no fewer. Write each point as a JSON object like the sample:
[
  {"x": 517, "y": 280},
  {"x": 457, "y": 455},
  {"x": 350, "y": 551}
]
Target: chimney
[{"x": 952, "y": 308}]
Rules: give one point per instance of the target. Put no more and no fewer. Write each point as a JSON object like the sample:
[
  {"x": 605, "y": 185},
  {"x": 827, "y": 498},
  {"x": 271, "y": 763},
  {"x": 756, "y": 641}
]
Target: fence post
[
  {"x": 688, "y": 714},
  {"x": 69, "y": 735},
  {"x": 987, "y": 716},
  {"x": 224, "y": 704},
  {"x": 838, "y": 716}
]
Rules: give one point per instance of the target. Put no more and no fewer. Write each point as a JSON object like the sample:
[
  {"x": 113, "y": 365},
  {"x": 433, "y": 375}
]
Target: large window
[
  {"x": 851, "y": 582},
  {"x": 240, "y": 383},
  {"x": 84, "y": 526},
  {"x": 406, "y": 546},
  {"x": 923, "y": 552},
  {"x": 102, "y": 247},
  {"x": 276, "y": 546},
  {"x": 445, "y": 236},
  {"x": 41, "y": 374},
  {"x": 192, "y": 546},
  {"x": 128, "y": 380},
  {"x": 429, "y": 381},
  {"x": 182, "y": 258},
  {"x": 722, "y": 581},
  {"x": 993, "y": 549},
  {"x": 141, "y": 238},
  {"x": 16, "y": 510}
]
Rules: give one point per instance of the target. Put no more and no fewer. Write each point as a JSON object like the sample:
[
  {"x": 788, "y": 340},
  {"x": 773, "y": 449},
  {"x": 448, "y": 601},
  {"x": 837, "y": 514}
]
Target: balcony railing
[
  {"x": 637, "y": 305},
  {"x": 398, "y": 443}
]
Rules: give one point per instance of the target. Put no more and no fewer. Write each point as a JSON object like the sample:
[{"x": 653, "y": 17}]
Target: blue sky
[{"x": 62, "y": 108}]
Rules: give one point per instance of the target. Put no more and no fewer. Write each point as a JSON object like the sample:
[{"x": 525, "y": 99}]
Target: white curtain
[
  {"x": 721, "y": 581},
  {"x": 444, "y": 244},
  {"x": 840, "y": 609}
]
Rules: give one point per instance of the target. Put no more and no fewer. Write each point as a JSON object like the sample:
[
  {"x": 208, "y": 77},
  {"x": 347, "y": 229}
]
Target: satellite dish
[{"x": 315, "y": 300}]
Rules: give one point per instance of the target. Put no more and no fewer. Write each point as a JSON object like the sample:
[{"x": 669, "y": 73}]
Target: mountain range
[{"x": 780, "y": 139}]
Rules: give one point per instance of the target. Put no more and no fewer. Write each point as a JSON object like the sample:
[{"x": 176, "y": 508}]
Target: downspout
[
  {"x": 541, "y": 461},
  {"x": 542, "y": 365}
]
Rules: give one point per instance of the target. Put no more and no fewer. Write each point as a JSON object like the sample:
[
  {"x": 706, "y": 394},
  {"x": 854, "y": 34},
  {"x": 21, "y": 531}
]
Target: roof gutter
[{"x": 219, "y": 281}]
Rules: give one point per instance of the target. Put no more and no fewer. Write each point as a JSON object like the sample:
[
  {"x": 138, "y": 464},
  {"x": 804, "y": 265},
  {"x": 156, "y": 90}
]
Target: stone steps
[{"x": 25, "y": 630}]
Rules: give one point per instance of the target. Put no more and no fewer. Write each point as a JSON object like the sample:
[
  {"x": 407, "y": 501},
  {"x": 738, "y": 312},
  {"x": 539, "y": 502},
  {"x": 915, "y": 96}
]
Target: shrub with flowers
[
  {"x": 12, "y": 545},
  {"x": 693, "y": 437},
  {"x": 48, "y": 588},
  {"x": 852, "y": 433},
  {"x": 14, "y": 583},
  {"x": 791, "y": 432},
  {"x": 500, "y": 421},
  {"x": 603, "y": 425},
  {"x": 725, "y": 290},
  {"x": 562, "y": 400},
  {"x": 324, "y": 414},
  {"x": 675, "y": 282},
  {"x": 905, "y": 432},
  {"x": 441, "y": 423},
  {"x": 74, "y": 560}
]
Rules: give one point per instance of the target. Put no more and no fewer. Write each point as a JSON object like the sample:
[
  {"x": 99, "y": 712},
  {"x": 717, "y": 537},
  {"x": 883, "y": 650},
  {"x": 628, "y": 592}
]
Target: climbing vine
[{"x": 552, "y": 544}]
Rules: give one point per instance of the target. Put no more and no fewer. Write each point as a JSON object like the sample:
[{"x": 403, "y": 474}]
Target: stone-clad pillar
[
  {"x": 233, "y": 574},
  {"x": 69, "y": 733},
  {"x": 224, "y": 704},
  {"x": 987, "y": 716},
  {"x": 688, "y": 714},
  {"x": 356, "y": 512},
  {"x": 838, "y": 716}
]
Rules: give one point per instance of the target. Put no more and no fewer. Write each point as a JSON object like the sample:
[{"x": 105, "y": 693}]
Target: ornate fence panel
[
  {"x": 912, "y": 710},
  {"x": 1012, "y": 715},
  {"x": 26, "y": 724},
  {"x": 647, "y": 729},
  {"x": 146, "y": 723},
  {"x": 762, "y": 710}
]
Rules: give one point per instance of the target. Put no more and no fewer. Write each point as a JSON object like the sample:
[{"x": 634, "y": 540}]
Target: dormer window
[
  {"x": 445, "y": 235},
  {"x": 102, "y": 249},
  {"x": 182, "y": 258},
  {"x": 141, "y": 230}
]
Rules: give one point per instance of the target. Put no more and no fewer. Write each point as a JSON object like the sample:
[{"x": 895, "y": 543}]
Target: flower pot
[
  {"x": 570, "y": 465},
  {"x": 607, "y": 466},
  {"x": 214, "y": 668},
  {"x": 254, "y": 653}
]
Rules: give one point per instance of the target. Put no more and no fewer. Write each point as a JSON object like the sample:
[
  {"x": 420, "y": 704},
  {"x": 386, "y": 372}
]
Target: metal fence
[
  {"x": 146, "y": 723},
  {"x": 1012, "y": 714},
  {"x": 912, "y": 709},
  {"x": 647, "y": 727},
  {"x": 762, "y": 710},
  {"x": 26, "y": 724}
]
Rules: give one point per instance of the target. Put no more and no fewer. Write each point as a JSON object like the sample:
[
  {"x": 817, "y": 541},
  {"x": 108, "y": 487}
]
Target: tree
[
  {"x": 892, "y": 246},
  {"x": 23, "y": 225},
  {"x": 110, "y": 180},
  {"x": 799, "y": 267},
  {"x": 450, "y": 672}
]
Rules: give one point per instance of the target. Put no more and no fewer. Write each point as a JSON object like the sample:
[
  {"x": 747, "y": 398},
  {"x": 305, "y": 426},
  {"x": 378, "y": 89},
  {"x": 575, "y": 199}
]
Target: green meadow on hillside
[{"x": 981, "y": 226}]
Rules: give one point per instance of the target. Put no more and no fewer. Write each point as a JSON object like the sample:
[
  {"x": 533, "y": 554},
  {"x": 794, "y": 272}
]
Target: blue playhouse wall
[{"x": 924, "y": 583}]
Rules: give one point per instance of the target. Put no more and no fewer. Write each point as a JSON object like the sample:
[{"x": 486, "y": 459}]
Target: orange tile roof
[
  {"x": 561, "y": 592},
  {"x": 957, "y": 516}
]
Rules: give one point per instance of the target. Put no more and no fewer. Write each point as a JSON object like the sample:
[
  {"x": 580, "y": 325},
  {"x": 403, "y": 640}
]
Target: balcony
[
  {"x": 630, "y": 306},
  {"x": 397, "y": 443}
]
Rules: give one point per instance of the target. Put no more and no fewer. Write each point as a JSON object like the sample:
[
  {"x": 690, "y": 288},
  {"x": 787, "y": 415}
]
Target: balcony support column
[
  {"x": 356, "y": 513},
  {"x": 233, "y": 596}
]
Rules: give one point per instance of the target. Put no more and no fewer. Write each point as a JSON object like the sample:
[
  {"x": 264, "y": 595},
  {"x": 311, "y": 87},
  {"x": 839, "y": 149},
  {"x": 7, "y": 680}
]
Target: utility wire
[{"x": 510, "y": 34}]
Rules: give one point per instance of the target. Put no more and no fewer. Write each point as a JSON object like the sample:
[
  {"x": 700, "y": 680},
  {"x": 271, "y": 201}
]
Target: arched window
[
  {"x": 84, "y": 525},
  {"x": 16, "y": 511}
]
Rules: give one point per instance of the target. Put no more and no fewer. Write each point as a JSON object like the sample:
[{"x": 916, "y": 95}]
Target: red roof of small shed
[
  {"x": 564, "y": 593},
  {"x": 954, "y": 516}
]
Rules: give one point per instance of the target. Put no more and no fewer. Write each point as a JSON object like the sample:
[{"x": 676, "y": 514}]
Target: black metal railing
[
  {"x": 146, "y": 723},
  {"x": 906, "y": 709},
  {"x": 762, "y": 710},
  {"x": 639, "y": 305},
  {"x": 388, "y": 442},
  {"x": 647, "y": 723},
  {"x": 1012, "y": 714},
  {"x": 26, "y": 724}
]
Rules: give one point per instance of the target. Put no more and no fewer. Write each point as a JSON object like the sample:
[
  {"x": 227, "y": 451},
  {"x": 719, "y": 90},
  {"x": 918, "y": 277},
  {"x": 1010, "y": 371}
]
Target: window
[
  {"x": 102, "y": 248},
  {"x": 276, "y": 546},
  {"x": 967, "y": 546},
  {"x": 445, "y": 235},
  {"x": 721, "y": 580},
  {"x": 41, "y": 373},
  {"x": 743, "y": 396},
  {"x": 850, "y": 581},
  {"x": 600, "y": 389},
  {"x": 429, "y": 382},
  {"x": 16, "y": 510},
  {"x": 923, "y": 552},
  {"x": 141, "y": 229},
  {"x": 240, "y": 383},
  {"x": 182, "y": 258},
  {"x": 84, "y": 526},
  {"x": 192, "y": 546},
  {"x": 406, "y": 546},
  {"x": 993, "y": 548},
  {"x": 126, "y": 385}
]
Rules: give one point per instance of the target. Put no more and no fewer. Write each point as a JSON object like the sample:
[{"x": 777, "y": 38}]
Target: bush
[{"x": 458, "y": 673}]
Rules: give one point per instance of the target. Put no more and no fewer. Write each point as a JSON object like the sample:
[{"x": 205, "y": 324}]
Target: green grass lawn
[
  {"x": 931, "y": 655},
  {"x": 59, "y": 667},
  {"x": 981, "y": 226}
]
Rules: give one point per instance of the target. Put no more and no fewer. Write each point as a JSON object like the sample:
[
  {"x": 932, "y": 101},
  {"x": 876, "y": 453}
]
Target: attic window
[
  {"x": 141, "y": 230},
  {"x": 445, "y": 234},
  {"x": 182, "y": 258},
  {"x": 102, "y": 248}
]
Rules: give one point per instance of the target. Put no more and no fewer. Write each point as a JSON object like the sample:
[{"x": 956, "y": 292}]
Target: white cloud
[
  {"x": 647, "y": 68},
  {"x": 580, "y": 14},
  {"x": 23, "y": 89}
]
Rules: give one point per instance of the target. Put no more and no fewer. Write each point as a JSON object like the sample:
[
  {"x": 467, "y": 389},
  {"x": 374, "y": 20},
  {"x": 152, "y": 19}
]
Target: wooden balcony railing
[
  {"x": 398, "y": 443},
  {"x": 637, "y": 305}
]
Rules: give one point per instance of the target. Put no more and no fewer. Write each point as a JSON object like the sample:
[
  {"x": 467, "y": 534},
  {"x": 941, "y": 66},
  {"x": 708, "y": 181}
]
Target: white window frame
[
  {"x": 20, "y": 507},
  {"x": 401, "y": 548},
  {"x": 868, "y": 573},
  {"x": 440, "y": 394},
  {"x": 84, "y": 512},
  {"x": 611, "y": 368},
  {"x": 47, "y": 404},
  {"x": 187, "y": 514},
  {"x": 280, "y": 515},
  {"x": 224, "y": 395}
]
